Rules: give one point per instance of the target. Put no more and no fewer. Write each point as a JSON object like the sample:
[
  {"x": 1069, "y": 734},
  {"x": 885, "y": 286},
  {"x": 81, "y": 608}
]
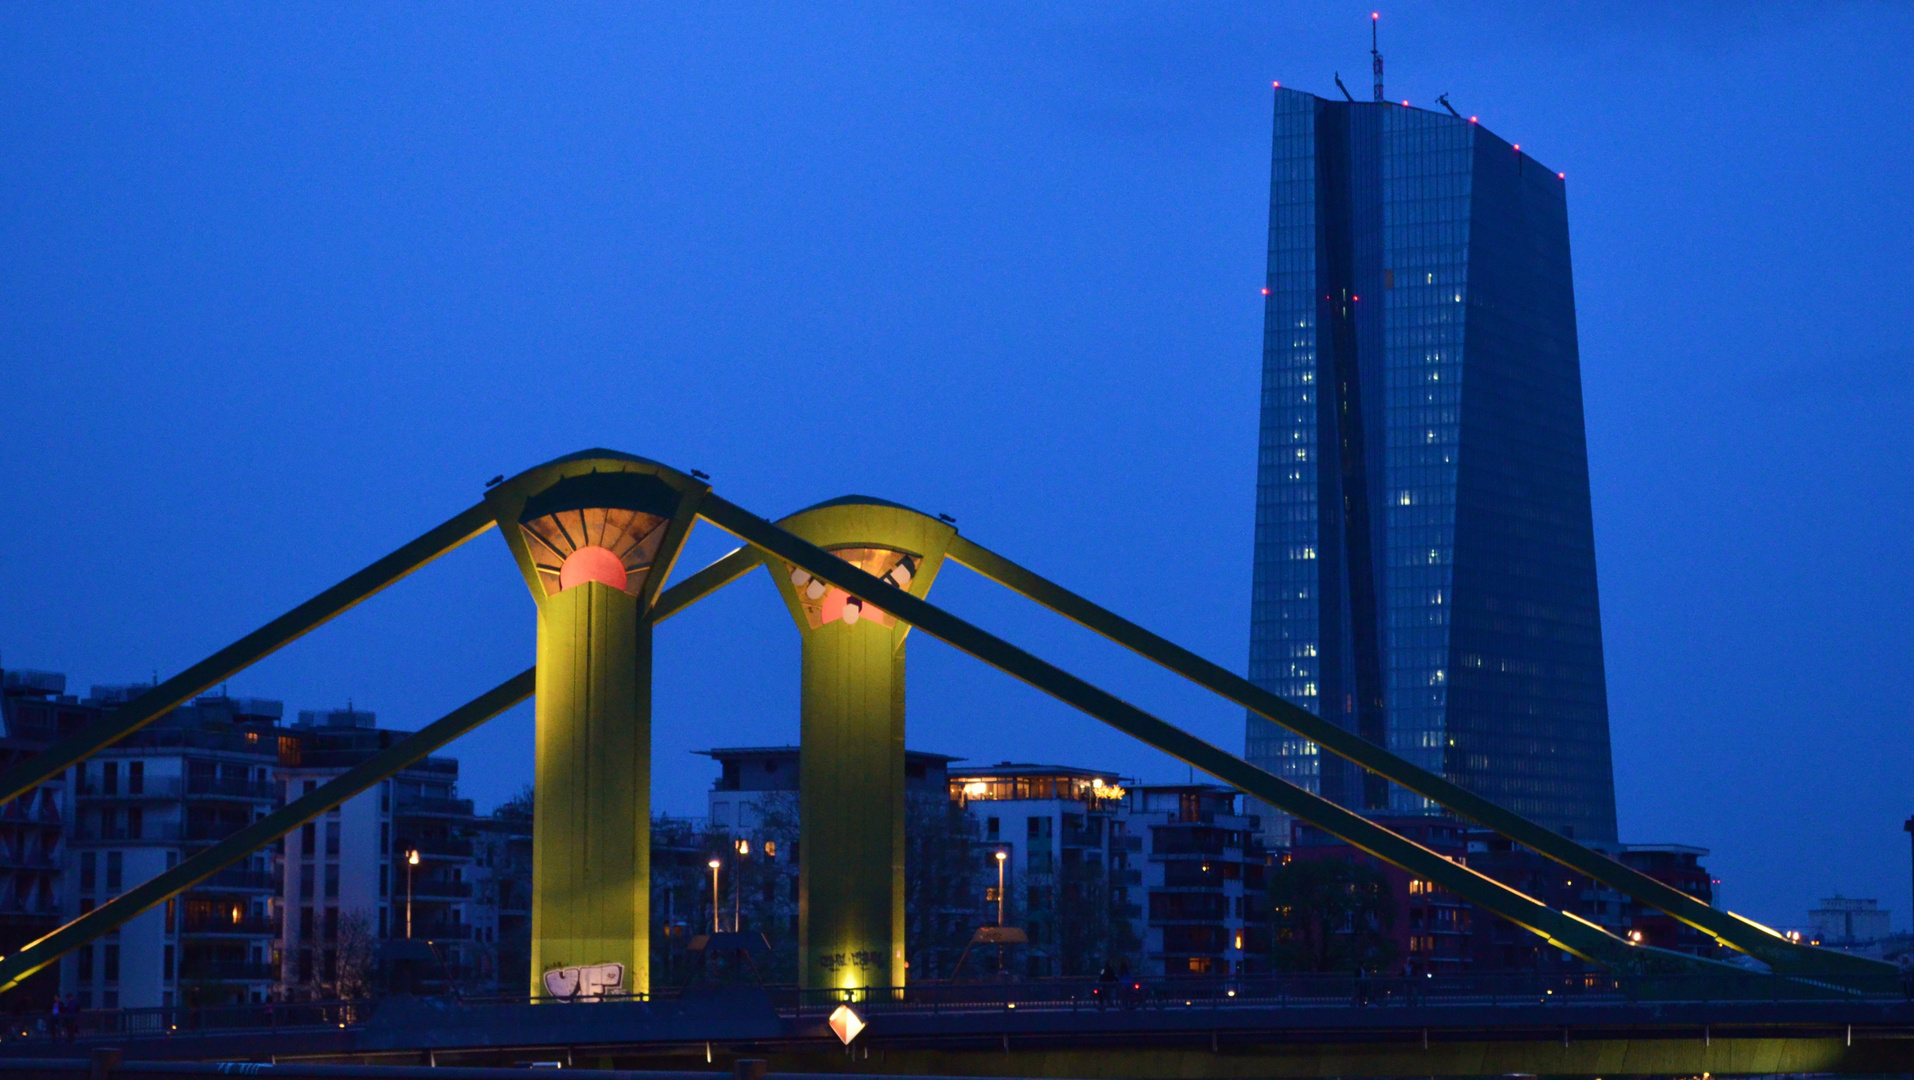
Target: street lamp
[
  {"x": 714, "y": 895},
  {"x": 737, "y": 885},
  {"x": 1001, "y": 856},
  {"x": 411, "y": 860}
]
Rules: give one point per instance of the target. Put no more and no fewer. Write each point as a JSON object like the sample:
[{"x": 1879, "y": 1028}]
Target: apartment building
[
  {"x": 165, "y": 793},
  {"x": 1056, "y": 838},
  {"x": 1202, "y": 869},
  {"x": 34, "y": 709},
  {"x": 393, "y": 863}
]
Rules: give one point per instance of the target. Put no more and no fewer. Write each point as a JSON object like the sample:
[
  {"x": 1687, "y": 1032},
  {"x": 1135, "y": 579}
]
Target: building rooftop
[
  {"x": 1671, "y": 849},
  {"x": 1010, "y": 781},
  {"x": 1018, "y": 768},
  {"x": 722, "y": 752}
]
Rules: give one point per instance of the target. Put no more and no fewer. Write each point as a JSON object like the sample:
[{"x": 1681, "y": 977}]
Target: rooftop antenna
[
  {"x": 1444, "y": 102},
  {"x": 1344, "y": 89},
  {"x": 1374, "y": 18}
]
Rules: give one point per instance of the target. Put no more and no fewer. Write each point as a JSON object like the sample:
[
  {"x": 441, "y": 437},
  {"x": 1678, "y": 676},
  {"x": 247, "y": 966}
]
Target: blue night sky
[{"x": 283, "y": 285}]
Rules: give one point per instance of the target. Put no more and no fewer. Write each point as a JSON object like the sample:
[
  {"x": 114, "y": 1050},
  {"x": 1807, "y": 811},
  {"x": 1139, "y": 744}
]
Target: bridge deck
[{"x": 1603, "y": 1035}]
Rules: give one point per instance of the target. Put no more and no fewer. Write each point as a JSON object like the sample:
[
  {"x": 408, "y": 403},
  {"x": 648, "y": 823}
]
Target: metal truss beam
[
  {"x": 114, "y": 912},
  {"x": 24, "y": 775},
  {"x": 1564, "y": 930},
  {"x": 1727, "y": 928}
]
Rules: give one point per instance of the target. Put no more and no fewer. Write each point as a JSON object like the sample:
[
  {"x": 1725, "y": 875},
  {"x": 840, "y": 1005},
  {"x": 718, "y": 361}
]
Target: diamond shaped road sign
[{"x": 845, "y": 1024}]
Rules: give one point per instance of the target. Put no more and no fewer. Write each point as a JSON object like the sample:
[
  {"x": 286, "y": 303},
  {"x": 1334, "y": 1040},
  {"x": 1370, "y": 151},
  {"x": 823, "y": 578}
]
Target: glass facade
[{"x": 1425, "y": 558}]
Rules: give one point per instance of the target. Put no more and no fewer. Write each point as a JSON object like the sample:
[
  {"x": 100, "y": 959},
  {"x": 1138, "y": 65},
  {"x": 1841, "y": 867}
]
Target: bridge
[
  {"x": 1272, "y": 1026},
  {"x": 596, "y": 537}
]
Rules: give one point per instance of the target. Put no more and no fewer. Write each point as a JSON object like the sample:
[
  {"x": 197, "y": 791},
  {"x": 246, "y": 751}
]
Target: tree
[
  {"x": 356, "y": 948},
  {"x": 1331, "y": 915},
  {"x": 942, "y": 884},
  {"x": 1090, "y": 930},
  {"x": 518, "y": 807}
]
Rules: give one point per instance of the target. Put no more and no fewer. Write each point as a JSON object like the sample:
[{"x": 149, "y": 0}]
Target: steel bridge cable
[
  {"x": 720, "y": 573},
  {"x": 1562, "y": 929},
  {"x": 1727, "y": 928},
  {"x": 23, "y": 776},
  {"x": 192, "y": 871}
]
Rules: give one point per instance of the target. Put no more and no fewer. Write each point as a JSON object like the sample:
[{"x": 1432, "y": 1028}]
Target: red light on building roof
[
  {"x": 1405, "y": 101},
  {"x": 1471, "y": 119},
  {"x": 1518, "y": 146},
  {"x": 1561, "y": 176},
  {"x": 1277, "y": 85},
  {"x": 1265, "y": 291},
  {"x": 1354, "y": 298}
]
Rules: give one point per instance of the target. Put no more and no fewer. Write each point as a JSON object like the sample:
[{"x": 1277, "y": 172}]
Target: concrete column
[
  {"x": 851, "y": 795},
  {"x": 591, "y": 843}
]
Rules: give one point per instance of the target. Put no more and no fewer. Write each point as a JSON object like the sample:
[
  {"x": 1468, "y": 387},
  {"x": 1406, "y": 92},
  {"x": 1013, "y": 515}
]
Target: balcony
[
  {"x": 151, "y": 789},
  {"x": 441, "y": 890},
  {"x": 211, "y": 832},
  {"x": 435, "y": 846},
  {"x": 436, "y": 931},
  {"x": 446, "y": 808},
  {"x": 29, "y": 861},
  {"x": 30, "y": 811},
  {"x": 244, "y": 926},
  {"x": 228, "y": 971},
  {"x": 207, "y": 787},
  {"x": 239, "y": 879},
  {"x": 89, "y": 833}
]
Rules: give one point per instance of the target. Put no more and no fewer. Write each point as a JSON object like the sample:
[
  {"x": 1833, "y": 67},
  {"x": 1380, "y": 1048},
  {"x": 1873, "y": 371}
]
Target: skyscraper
[{"x": 1425, "y": 558}]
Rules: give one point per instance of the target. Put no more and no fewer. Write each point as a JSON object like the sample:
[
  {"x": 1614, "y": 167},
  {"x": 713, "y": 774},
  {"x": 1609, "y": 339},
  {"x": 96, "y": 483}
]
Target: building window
[
  {"x": 305, "y": 882},
  {"x": 172, "y": 906},
  {"x": 305, "y": 924},
  {"x": 385, "y": 876},
  {"x": 136, "y": 778},
  {"x": 85, "y": 963},
  {"x": 332, "y": 839},
  {"x": 166, "y": 970},
  {"x": 992, "y": 827},
  {"x": 135, "y": 821},
  {"x": 332, "y": 881},
  {"x": 109, "y": 778},
  {"x": 115, "y": 863},
  {"x": 308, "y": 840},
  {"x": 89, "y": 870},
  {"x": 383, "y": 913},
  {"x": 110, "y": 967}
]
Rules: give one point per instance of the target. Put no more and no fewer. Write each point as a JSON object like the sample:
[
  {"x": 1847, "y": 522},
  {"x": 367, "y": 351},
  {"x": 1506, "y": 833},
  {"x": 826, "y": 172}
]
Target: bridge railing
[
  {"x": 174, "y": 1020},
  {"x": 1284, "y": 991},
  {"x": 1310, "y": 990}
]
